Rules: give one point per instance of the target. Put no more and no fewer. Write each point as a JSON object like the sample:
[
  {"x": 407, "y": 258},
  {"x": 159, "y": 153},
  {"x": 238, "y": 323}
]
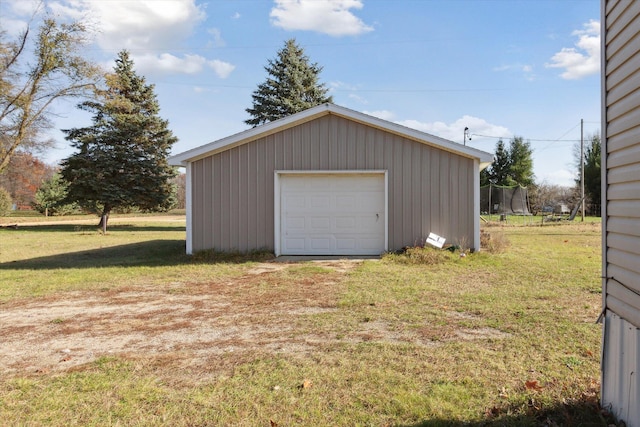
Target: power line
[
  {"x": 542, "y": 140},
  {"x": 528, "y": 139}
]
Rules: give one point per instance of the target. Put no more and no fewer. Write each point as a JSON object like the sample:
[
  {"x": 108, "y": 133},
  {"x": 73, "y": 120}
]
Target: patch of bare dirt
[
  {"x": 260, "y": 311},
  {"x": 253, "y": 312}
]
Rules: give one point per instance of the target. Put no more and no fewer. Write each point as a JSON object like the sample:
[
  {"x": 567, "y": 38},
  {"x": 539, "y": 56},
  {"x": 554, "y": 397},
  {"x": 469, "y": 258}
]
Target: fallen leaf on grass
[
  {"x": 273, "y": 423},
  {"x": 306, "y": 384},
  {"x": 503, "y": 393},
  {"x": 533, "y": 385}
]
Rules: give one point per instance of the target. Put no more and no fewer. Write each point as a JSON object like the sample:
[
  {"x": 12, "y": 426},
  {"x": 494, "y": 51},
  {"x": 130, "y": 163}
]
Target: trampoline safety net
[{"x": 504, "y": 200}]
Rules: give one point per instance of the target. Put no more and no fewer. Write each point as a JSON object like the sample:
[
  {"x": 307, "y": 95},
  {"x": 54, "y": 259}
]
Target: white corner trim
[
  {"x": 476, "y": 205},
  {"x": 276, "y": 214},
  {"x": 386, "y": 211},
  {"x": 189, "y": 209}
]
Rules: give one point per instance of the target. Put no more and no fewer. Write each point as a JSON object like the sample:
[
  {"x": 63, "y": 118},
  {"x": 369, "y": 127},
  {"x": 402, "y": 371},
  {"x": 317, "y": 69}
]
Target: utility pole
[{"x": 582, "y": 167}]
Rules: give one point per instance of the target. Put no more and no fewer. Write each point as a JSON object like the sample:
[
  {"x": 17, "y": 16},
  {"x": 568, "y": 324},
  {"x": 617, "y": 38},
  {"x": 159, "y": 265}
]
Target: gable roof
[{"x": 323, "y": 110}]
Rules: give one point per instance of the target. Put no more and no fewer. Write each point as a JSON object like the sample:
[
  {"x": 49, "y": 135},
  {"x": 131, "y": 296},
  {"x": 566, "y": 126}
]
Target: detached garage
[{"x": 331, "y": 181}]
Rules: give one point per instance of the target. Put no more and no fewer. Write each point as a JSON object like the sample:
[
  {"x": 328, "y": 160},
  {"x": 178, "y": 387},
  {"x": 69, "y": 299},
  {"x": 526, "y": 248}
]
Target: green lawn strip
[
  {"x": 40, "y": 260},
  {"x": 399, "y": 346}
]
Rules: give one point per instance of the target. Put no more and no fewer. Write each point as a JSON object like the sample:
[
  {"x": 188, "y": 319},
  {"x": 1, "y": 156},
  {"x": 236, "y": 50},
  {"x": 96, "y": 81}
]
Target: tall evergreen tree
[
  {"x": 512, "y": 165},
  {"x": 592, "y": 177},
  {"x": 291, "y": 86},
  {"x": 122, "y": 157},
  {"x": 498, "y": 172},
  {"x": 521, "y": 162}
]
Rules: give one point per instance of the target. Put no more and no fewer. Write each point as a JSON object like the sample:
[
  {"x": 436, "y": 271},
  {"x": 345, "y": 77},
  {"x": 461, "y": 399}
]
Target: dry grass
[{"x": 491, "y": 339}]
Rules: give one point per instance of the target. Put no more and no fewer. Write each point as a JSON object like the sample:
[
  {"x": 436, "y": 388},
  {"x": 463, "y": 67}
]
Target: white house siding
[
  {"x": 621, "y": 213},
  {"x": 430, "y": 189}
]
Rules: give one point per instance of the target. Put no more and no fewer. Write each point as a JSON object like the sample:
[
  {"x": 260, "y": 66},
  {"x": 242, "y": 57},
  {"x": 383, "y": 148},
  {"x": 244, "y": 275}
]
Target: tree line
[{"x": 513, "y": 166}]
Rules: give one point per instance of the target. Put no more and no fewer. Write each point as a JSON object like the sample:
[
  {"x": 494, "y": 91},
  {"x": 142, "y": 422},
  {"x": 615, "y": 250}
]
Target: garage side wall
[
  {"x": 430, "y": 190},
  {"x": 621, "y": 209}
]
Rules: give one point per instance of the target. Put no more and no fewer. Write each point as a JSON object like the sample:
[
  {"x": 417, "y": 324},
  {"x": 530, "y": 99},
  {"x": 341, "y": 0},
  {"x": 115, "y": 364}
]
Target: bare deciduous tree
[{"x": 31, "y": 80}]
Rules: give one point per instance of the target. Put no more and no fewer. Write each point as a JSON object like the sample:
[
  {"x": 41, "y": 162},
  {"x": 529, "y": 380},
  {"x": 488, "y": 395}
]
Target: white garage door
[{"x": 332, "y": 214}]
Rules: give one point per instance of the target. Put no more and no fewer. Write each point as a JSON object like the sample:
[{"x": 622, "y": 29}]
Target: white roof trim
[{"x": 322, "y": 110}]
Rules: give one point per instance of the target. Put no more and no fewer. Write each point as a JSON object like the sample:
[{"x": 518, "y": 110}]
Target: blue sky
[{"x": 501, "y": 68}]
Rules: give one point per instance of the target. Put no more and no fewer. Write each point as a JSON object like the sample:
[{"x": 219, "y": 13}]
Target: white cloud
[
  {"x": 381, "y": 114},
  {"x": 455, "y": 131},
  {"x": 168, "y": 63},
  {"x": 332, "y": 17},
  {"x": 144, "y": 23},
  {"x": 149, "y": 29},
  {"x": 23, "y": 7},
  {"x": 16, "y": 15},
  {"x": 188, "y": 64},
  {"x": 221, "y": 68},
  {"x": 218, "y": 41},
  {"x": 562, "y": 177},
  {"x": 583, "y": 59},
  {"x": 357, "y": 98}
]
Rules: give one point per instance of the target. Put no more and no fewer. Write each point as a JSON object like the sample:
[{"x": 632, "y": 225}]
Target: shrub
[
  {"x": 493, "y": 242},
  {"x": 49, "y": 199},
  {"x": 419, "y": 255},
  {"x": 5, "y": 202}
]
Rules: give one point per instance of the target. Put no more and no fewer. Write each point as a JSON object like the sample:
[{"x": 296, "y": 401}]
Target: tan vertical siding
[
  {"x": 430, "y": 190},
  {"x": 621, "y": 213},
  {"x": 622, "y": 147}
]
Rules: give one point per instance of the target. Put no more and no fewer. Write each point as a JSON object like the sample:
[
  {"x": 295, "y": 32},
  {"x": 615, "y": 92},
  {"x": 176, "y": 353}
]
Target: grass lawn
[{"x": 124, "y": 329}]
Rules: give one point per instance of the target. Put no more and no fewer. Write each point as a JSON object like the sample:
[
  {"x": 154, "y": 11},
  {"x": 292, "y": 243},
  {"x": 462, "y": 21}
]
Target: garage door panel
[
  {"x": 370, "y": 222},
  {"x": 368, "y": 202},
  {"x": 332, "y": 214},
  {"x": 371, "y": 243},
  {"x": 320, "y": 244},
  {"x": 345, "y": 224},
  {"x": 346, "y": 244},
  {"x": 319, "y": 225},
  {"x": 296, "y": 223},
  {"x": 345, "y": 202},
  {"x": 294, "y": 244},
  {"x": 322, "y": 201},
  {"x": 295, "y": 201}
]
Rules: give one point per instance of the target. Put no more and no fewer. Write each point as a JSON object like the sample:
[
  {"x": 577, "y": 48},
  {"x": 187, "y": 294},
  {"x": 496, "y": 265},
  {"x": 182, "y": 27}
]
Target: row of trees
[{"x": 513, "y": 166}]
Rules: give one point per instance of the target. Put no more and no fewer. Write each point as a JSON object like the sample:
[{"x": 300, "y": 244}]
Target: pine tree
[
  {"x": 292, "y": 86},
  {"x": 520, "y": 162},
  {"x": 592, "y": 174},
  {"x": 498, "y": 172},
  {"x": 49, "y": 198},
  {"x": 122, "y": 157},
  {"x": 511, "y": 166}
]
